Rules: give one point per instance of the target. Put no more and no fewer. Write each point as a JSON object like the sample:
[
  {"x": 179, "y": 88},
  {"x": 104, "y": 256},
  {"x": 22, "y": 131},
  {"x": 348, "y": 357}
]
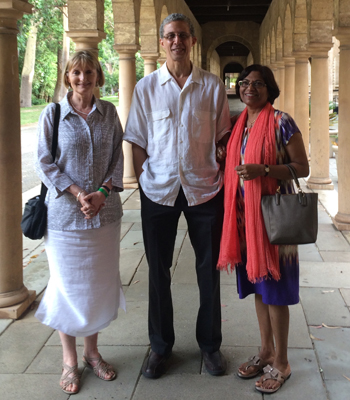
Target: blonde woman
[{"x": 84, "y": 215}]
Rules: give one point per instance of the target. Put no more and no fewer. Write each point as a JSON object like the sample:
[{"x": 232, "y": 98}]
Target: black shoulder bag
[
  {"x": 291, "y": 218},
  {"x": 34, "y": 220}
]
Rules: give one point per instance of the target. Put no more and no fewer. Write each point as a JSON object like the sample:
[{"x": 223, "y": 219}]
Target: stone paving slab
[
  {"x": 309, "y": 252},
  {"x": 325, "y": 274},
  {"x": 335, "y": 256},
  {"x": 324, "y": 305},
  {"x": 4, "y": 324},
  {"x": 338, "y": 389},
  {"x": 36, "y": 274},
  {"x": 130, "y": 259},
  {"x": 332, "y": 348},
  {"x": 194, "y": 387},
  {"x": 31, "y": 387},
  {"x": 127, "y": 361},
  {"x": 131, "y": 216},
  {"x": 125, "y": 228},
  {"x": 331, "y": 241},
  {"x": 20, "y": 344},
  {"x": 346, "y": 296},
  {"x": 134, "y": 240}
]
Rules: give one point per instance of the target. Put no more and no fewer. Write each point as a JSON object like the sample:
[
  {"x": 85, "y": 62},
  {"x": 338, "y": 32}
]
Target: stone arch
[
  {"x": 229, "y": 38},
  {"x": 148, "y": 27},
  {"x": 287, "y": 33},
  {"x": 273, "y": 46},
  {"x": 268, "y": 50},
  {"x": 300, "y": 32},
  {"x": 279, "y": 40}
]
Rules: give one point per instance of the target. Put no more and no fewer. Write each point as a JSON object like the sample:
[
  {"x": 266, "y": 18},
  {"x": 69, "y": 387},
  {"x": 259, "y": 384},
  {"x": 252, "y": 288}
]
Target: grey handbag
[{"x": 291, "y": 218}]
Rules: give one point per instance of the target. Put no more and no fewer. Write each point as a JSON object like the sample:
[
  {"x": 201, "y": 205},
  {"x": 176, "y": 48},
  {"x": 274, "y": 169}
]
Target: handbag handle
[
  {"x": 43, "y": 190},
  {"x": 301, "y": 194},
  {"x": 294, "y": 176}
]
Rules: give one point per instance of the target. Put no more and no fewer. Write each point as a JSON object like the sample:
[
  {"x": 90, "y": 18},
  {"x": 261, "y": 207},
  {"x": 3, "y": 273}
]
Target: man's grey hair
[{"x": 176, "y": 17}]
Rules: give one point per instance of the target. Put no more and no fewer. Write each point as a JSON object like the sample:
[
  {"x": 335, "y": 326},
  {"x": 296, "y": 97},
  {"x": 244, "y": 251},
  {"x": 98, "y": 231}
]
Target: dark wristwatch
[{"x": 267, "y": 170}]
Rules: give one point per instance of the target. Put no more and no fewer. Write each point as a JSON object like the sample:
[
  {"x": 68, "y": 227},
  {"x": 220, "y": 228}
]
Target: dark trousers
[{"x": 159, "y": 226}]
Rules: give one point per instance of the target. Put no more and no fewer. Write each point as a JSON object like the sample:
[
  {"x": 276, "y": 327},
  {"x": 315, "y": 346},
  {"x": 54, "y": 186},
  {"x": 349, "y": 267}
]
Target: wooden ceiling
[{"x": 229, "y": 10}]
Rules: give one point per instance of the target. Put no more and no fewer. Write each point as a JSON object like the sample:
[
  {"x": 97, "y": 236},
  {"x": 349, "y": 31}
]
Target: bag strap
[
  {"x": 54, "y": 146},
  {"x": 294, "y": 175}
]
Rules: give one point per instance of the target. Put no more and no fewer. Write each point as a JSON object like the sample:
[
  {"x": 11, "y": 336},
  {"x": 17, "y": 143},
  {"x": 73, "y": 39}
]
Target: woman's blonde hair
[{"x": 83, "y": 58}]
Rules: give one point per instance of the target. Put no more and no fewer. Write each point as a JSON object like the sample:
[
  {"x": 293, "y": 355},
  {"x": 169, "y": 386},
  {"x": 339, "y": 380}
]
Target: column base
[
  {"x": 320, "y": 183},
  {"x": 131, "y": 185},
  {"x": 14, "y": 312},
  {"x": 130, "y": 180},
  {"x": 342, "y": 222}
]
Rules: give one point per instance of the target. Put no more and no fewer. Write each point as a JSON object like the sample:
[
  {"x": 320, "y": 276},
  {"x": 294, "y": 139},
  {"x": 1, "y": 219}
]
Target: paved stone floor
[{"x": 30, "y": 353}]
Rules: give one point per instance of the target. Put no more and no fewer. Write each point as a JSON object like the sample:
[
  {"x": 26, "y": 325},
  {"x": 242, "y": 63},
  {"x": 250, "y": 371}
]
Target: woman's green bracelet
[{"x": 103, "y": 191}]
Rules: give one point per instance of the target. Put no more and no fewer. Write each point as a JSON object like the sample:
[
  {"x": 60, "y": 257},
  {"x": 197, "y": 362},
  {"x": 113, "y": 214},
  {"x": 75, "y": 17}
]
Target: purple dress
[{"x": 286, "y": 290}]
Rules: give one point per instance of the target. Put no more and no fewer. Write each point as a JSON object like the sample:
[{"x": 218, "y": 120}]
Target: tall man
[{"x": 177, "y": 116}]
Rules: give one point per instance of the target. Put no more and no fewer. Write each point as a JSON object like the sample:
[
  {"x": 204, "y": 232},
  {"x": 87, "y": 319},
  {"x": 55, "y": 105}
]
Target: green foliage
[{"x": 47, "y": 14}]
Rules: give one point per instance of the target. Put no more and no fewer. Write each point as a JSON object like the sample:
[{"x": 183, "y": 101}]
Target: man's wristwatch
[{"x": 267, "y": 170}]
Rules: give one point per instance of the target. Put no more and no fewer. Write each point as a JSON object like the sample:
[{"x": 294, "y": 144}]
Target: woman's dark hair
[{"x": 267, "y": 76}]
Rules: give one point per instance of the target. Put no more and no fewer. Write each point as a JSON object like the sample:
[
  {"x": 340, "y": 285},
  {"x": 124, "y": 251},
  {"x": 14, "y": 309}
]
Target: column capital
[
  {"x": 280, "y": 64},
  {"x": 130, "y": 49},
  {"x": 343, "y": 35},
  {"x": 301, "y": 56},
  {"x": 86, "y": 38},
  {"x": 289, "y": 61},
  {"x": 150, "y": 56},
  {"x": 10, "y": 12},
  {"x": 319, "y": 49}
]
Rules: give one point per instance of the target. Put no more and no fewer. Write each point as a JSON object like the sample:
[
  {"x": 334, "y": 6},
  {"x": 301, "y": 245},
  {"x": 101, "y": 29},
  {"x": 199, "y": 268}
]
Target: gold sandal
[
  {"x": 67, "y": 380},
  {"x": 101, "y": 369}
]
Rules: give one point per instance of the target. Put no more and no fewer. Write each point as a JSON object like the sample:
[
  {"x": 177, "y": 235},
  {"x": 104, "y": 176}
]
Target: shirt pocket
[
  {"x": 159, "y": 124},
  {"x": 203, "y": 126}
]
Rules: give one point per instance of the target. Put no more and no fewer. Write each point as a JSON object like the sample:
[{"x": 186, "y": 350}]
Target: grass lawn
[{"x": 30, "y": 115}]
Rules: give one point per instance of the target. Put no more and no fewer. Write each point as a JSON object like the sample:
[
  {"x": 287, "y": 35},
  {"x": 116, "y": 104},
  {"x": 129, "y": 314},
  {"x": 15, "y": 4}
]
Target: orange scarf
[{"x": 262, "y": 257}]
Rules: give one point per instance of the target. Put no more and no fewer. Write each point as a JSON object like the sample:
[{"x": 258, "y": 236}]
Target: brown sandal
[
  {"x": 67, "y": 380},
  {"x": 101, "y": 369},
  {"x": 254, "y": 361},
  {"x": 273, "y": 374}
]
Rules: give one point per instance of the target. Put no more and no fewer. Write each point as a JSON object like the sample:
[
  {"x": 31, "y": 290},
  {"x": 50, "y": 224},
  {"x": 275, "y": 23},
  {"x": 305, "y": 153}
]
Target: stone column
[
  {"x": 276, "y": 73},
  {"x": 127, "y": 82},
  {"x": 87, "y": 40},
  {"x": 14, "y": 296},
  {"x": 150, "y": 61},
  {"x": 289, "y": 88},
  {"x": 301, "y": 104},
  {"x": 319, "y": 178},
  {"x": 342, "y": 218},
  {"x": 281, "y": 78}
]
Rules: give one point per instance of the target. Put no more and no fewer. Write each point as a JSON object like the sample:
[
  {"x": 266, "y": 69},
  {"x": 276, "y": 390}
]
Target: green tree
[{"x": 47, "y": 16}]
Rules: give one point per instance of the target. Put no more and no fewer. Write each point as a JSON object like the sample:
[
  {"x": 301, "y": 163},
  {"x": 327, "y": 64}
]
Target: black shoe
[
  {"x": 154, "y": 365},
  {"x": 215, "y": 363}
]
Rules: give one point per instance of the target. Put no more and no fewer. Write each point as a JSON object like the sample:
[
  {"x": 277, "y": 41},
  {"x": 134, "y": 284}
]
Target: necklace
[
  {"x": 251, "y": 123},
  {"x": 81, "y": 112}
]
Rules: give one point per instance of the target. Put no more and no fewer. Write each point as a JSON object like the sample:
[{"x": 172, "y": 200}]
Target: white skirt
[{"x": 84, "y": 290}]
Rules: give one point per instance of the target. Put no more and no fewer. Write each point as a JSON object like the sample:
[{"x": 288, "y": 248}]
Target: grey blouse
[{"x": 89, "y": 153}]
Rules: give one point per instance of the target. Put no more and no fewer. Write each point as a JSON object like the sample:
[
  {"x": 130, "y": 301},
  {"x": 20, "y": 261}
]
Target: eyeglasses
[
  {"x": 256, "y": 84},
  {"x": 182, "y": 36}
]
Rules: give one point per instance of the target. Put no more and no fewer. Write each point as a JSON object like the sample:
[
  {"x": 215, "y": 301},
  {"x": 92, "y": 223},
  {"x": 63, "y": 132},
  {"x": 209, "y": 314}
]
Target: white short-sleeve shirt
[{"x": 179, "y": 129}]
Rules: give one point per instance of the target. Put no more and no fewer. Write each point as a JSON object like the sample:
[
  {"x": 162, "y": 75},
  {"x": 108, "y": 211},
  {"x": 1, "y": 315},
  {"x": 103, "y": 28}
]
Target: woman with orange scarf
[{"x": 262, "y": 141}]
